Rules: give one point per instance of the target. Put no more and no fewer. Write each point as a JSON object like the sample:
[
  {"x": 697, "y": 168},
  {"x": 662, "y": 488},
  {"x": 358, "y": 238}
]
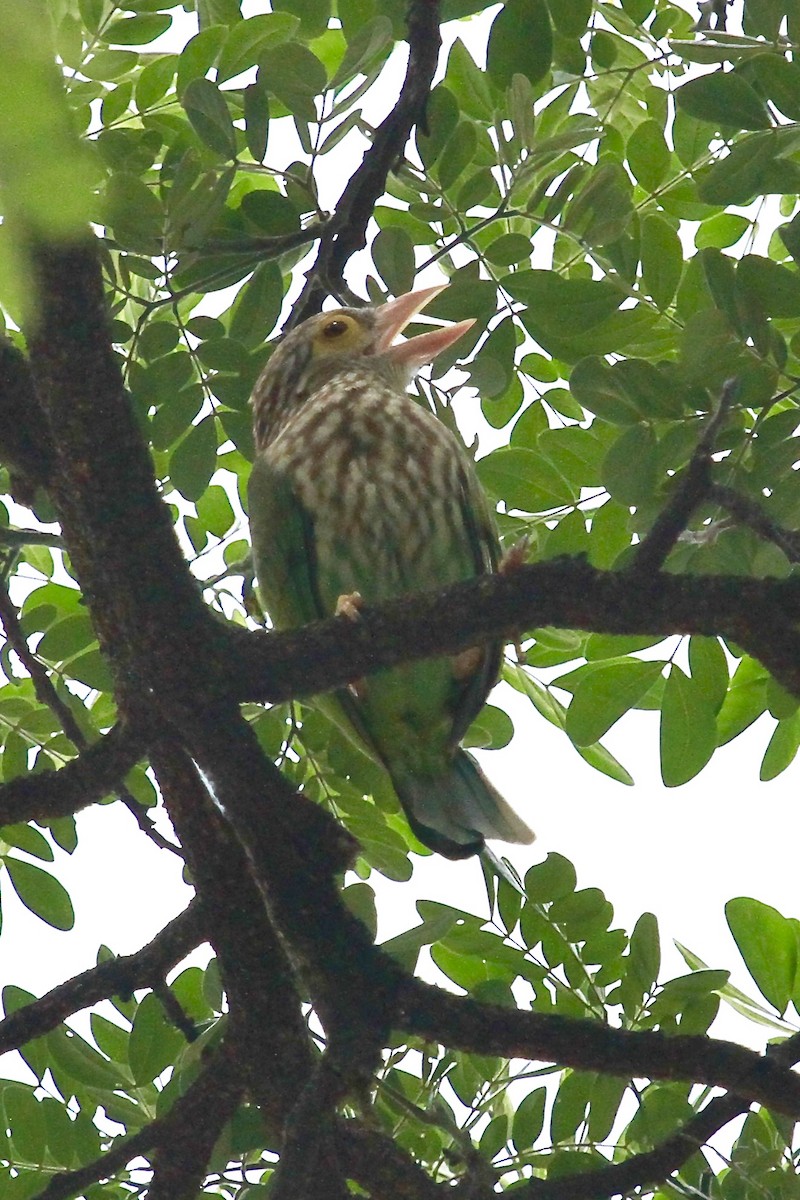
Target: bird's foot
[
  {"x": 514, "y": 557},
  {"x": 349, "y": 605}
]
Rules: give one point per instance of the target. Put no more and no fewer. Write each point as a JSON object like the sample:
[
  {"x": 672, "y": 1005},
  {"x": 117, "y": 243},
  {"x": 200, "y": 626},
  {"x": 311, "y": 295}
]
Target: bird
[{"x": 358, "y": 495}]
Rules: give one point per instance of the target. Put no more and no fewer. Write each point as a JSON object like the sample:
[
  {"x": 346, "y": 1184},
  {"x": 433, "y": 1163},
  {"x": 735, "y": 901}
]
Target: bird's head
[{"x": 333, "y": 342}]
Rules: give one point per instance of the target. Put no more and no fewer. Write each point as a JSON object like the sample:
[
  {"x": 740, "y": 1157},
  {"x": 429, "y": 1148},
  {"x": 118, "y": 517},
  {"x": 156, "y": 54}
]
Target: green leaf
[
  {"x": 492, "y": 729},
  {"x": 256, "y": 119},
  {"x": 137, "y": 31},
  {"x": 154, "y": 1041},
  {"x": 257, "y": 307},
  {"x": 528, "y": 1120},
  {"x": 570, "y": 19},
  {"x": 709, "y": 668},
  {"x": 373, "y": 40},
  {"x": 199, "y": 55},
  {"x": 295, "y": 76},
  {"x": 248, "y": 39},
  {"x": 524, "y": 479},
  {"x": 768, "y": 944},
  {"x": 40, "y": 892},
  {"x": 745, "y": 701},
  {"x": 722, "y": 231},
  {"x": 724, "y": 98},
  {"x": 604, "y": 761},
  {"x": 457, "y": 154},
  {"x": 192, "y": 463},
  {"x": 782, "y": 748},
  {"x": 208, "y": 113},
  {"x": 154, "y": 82},
  {"x": 393, "y": 255},
  {"x": 24, "y": 1116},
  {"x": 520, "y": 42},
  {"x": 775, "y": 287},
  {"x": 688, "y": 729},
  {"x": 551, "y": 879},
  {"x": 467, "y": 82},
  {"x": 644, "y": 955},
  {"x": 606, "y": 692},
  {"x": 738, "y": 178},
  {"x": 662, "y": 259},
  {"x": 555, "y": 302},
  {"x": 629, "y": 471},
  {"x": 29, "y": 839},
  {"x": 648, "y": 154}
]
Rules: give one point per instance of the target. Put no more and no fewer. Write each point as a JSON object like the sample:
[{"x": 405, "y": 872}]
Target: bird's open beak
[{"x": 415, "y": 352}]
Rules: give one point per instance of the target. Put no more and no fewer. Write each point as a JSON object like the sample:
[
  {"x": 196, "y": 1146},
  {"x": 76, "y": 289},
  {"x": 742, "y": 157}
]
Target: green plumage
[{"x": 356, "y": 489}]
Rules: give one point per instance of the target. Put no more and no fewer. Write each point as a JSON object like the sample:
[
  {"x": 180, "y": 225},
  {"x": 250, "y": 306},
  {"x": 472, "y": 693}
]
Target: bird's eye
[{"x": 335, "y": 329}]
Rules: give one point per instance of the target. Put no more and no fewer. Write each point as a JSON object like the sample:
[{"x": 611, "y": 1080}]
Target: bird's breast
[{"x": 382, "y": 482}]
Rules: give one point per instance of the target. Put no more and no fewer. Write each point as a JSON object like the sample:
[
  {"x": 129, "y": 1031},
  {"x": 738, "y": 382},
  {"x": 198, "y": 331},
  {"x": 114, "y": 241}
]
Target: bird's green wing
[
  {"x": 282, "y": 535},
  {"x": 482, "y": 534},
  {"x": 285, "y": 560}
]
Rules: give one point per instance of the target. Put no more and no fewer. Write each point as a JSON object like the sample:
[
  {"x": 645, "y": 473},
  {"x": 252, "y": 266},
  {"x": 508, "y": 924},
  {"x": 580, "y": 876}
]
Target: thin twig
[
  {"x": 748, "y": 512},
  {"x": 43, "y": 685},
  {"x": 95, "y": 773},
  {"x": 690, "y": 491},
  {"x": 14, "y": 538}
]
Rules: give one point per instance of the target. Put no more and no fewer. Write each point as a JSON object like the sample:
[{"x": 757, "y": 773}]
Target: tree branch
[
  {"x": 690, "y": 491},
  {"x": 346, "y": 232},
  {"x": 25, "y": 439},
  {"x": 116, "y": 977},
  {"x": 656, "y": 1165},
  {"x": 204, "y": 1108},
  {"x": 95, "y": 773},
  {"x": 465, "y": 1024},
  {"x": 756, "y": 614},
  {"x": 749, "y": 513},
  {"x": 187, "y": 1134}
]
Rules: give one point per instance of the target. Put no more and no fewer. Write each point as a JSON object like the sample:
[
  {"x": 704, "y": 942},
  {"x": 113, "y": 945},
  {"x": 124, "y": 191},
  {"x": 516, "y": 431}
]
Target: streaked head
[{"x": 331, "y": 342}]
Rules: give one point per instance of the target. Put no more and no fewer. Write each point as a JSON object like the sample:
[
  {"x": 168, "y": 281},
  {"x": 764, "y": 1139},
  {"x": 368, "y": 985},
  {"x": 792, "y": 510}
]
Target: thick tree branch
[
  {"x": 295, "y": 862},
  {"x": 188, "y": 1132},
  {"x": 25, "y": 440},
  {"x": 347, "y": 230},
  {"x": 464, "y": 1024},
  {"x": 146, "y": 608},
  {"x": 116, "y": 977},
  {"x": 756, "y": 614},
  {"x": 95, "y": 773},
  {"x": 379, "y": 1164},
  {"x": 257, "y": 975}
]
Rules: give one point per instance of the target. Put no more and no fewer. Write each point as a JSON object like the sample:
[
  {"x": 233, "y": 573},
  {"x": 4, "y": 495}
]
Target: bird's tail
[{"x": 454, "y": 812}]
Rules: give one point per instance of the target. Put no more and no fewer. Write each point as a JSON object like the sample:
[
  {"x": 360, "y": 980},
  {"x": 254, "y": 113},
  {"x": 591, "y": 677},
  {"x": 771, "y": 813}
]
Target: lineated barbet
[{"x": 358, "y": 495}]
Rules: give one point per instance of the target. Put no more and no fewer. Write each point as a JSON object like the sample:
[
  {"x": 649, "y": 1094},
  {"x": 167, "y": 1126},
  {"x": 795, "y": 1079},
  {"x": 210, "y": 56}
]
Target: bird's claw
[{"x": 349, "y": 605}]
